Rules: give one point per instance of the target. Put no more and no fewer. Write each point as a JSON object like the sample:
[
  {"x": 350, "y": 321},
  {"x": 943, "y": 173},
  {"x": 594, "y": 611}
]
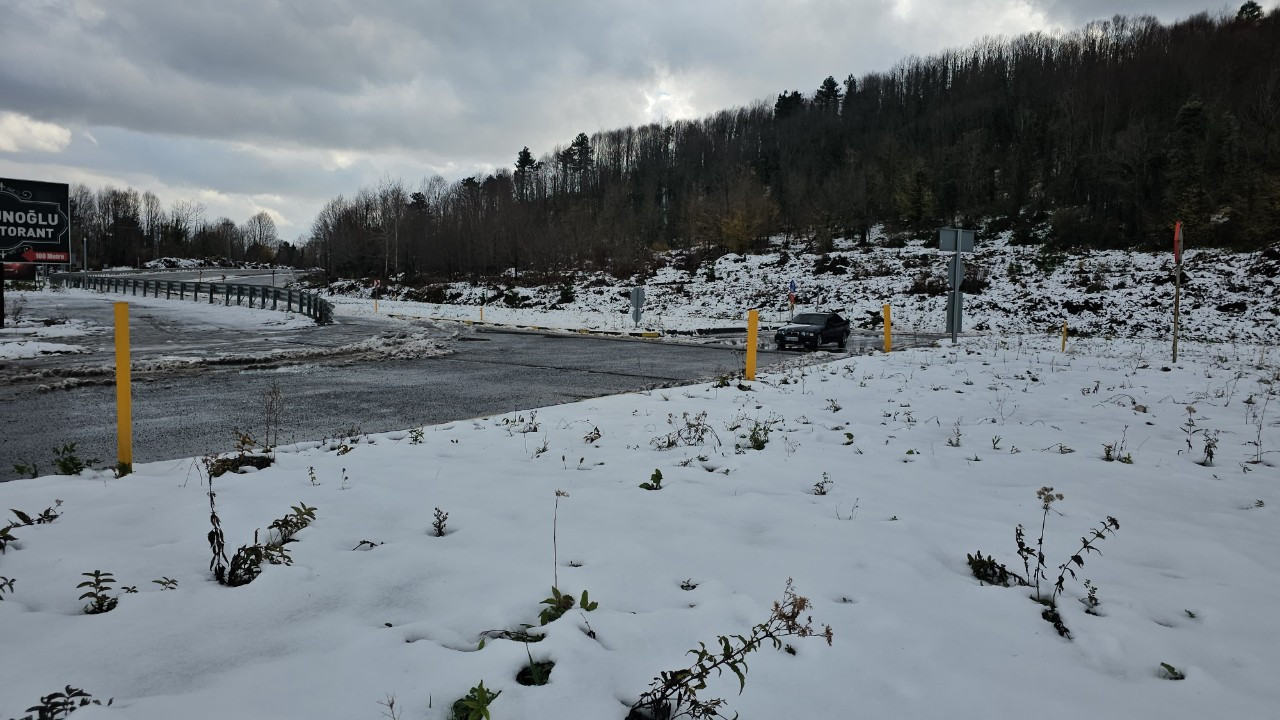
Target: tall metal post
[{"x": 1177, "y": 282}]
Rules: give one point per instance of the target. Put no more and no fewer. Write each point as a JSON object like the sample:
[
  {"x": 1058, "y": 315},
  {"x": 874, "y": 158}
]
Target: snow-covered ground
[
  {"x": 24, "y": 336},
  {"x": 924, "y": 456},
  {"x": 170, "y": 334},
  {"x": 1226, "y": 296}
]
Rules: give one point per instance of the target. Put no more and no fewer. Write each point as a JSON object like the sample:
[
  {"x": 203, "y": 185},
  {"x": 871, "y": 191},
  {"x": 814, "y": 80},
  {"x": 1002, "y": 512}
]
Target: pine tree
[
  {"x": 827, "y": 99},
  {"x": 1250, "y": 12},
  {"x": 524, "y": 164},
  {"x": 788, "y": 104}
]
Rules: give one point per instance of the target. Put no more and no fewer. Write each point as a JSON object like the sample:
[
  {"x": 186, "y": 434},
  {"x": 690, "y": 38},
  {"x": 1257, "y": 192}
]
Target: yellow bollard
[
  {"x": 888, "y": 329},
  {"x": 124, "y": 397},
  {"x": 1064, "y": 336},
  {"x": 753, "y": 319}
]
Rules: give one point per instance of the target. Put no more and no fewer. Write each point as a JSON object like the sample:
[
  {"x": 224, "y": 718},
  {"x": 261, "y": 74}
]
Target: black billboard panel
[{"x": 35, "y": 222}]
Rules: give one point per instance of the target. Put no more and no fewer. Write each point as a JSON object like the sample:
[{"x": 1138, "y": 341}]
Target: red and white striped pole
[{"x": 1177, "y": 282}]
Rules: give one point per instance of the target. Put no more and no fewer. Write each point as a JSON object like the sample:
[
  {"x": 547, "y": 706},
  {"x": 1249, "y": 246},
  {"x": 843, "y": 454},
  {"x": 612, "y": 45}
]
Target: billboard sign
[{"x": 35, "y": 222}]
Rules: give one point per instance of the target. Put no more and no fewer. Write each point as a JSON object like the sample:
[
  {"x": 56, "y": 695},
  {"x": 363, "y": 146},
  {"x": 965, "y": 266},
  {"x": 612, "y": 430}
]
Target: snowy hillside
[{"x": 1227, "y": 297}]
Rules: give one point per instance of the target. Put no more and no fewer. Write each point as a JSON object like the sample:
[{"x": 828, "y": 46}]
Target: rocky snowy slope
[{"x": 1227, "y": 297}]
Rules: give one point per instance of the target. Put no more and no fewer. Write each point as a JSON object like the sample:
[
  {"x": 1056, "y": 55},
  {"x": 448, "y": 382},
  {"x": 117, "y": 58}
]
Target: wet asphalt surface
[
  {"x": 178, "y": 415},
  {"x": 190, "y": 412},
  {"x": 186, "y": 412}
]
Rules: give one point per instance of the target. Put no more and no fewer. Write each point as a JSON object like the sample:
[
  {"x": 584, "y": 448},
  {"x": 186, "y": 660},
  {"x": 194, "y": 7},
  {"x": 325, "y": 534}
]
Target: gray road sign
[
  {"x": 949, "y": 238},
  {"x": 958, "y": 241},
  {"x": 637, "y": 302}
]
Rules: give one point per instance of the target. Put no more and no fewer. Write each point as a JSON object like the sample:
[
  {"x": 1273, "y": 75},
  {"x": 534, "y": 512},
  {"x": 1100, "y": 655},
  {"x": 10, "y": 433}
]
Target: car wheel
[
  {"x": 843, "y": 340},
  {"x": 782, "y": 346},
  {"x": 812, "y": 345}
]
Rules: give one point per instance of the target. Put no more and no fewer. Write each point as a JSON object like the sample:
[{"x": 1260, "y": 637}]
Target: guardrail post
[
  {"x": 226, "y": 291},
  {"x": 237, "y": 295},
  {"x": 275, "y": 298},
  {"x": 168, "y": 289},
  {"x": 210, "y": 293}
]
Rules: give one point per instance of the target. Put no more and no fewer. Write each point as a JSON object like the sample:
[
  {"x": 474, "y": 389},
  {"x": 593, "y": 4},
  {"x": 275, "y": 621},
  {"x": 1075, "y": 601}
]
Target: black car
[{"x": 813, "y": 329}]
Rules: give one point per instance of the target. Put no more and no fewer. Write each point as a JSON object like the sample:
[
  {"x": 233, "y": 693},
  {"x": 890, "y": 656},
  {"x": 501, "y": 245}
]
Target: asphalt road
[
  {"x": 182, "y": 410},
  {"x": 182, "y": 414}
]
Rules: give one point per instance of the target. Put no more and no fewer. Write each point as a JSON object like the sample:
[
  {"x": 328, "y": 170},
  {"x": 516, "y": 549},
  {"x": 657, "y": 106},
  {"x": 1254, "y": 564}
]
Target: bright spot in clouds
[{"x": 19, "y": 133}]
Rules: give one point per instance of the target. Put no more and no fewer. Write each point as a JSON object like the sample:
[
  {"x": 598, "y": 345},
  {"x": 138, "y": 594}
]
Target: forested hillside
[{"x": 1100, "y": 137}]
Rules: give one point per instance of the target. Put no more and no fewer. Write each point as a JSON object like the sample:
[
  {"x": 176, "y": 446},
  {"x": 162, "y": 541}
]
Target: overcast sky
[{"x": 280, "y": 105}]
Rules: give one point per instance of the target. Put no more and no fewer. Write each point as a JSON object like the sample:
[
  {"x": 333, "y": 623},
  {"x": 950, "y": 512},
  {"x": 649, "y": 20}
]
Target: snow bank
[{"x": 930, "y": 454}]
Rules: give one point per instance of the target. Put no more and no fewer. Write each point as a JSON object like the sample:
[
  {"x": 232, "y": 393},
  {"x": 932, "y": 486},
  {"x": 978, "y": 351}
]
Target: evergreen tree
[
  {"x": 524, "y": 165},
  {"x": 826, "y": 100},
  {"x": 789, "y": 104}
]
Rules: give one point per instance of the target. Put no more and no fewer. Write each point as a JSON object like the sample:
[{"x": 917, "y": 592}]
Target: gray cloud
[{"x": 309, "y": 98}]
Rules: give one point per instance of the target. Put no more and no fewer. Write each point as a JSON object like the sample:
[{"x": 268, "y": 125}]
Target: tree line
[
  {"x": 1100, "y": 137},
  {"x": 124, "y": 227}
]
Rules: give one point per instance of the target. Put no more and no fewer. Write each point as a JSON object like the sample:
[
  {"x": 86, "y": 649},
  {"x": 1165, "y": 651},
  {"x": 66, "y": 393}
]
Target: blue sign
[{"x": 793, "y": 286}]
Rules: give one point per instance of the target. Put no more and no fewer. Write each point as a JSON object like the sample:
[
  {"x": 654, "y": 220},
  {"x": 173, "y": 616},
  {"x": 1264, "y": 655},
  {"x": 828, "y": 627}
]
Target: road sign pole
[
  {"x": 753, "y": 321},
  {"x": 959, "y": 241},
  {"x": 124, "y": 396},
  {"x": 1177, "y": 282},
  {"x": 637, "y": 302}
]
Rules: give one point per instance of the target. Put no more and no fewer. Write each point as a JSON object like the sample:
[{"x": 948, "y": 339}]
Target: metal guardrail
[{"x": 300, "y": 301}]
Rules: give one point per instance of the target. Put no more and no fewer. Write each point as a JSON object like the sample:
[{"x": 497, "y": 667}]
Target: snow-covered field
[
  {"x": 54, "y": 315},
  {"x": 1226, "y": 296},
  {"x": 924, "y": 456},
  {"x": 24, "y": 336}
]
